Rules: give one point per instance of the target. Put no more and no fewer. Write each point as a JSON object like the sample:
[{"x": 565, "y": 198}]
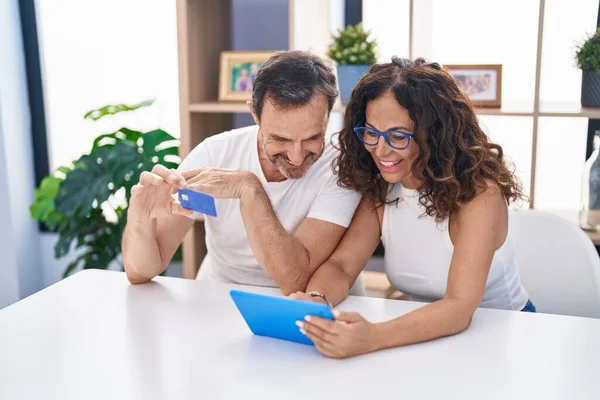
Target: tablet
[{"x": 276, "y": 317}]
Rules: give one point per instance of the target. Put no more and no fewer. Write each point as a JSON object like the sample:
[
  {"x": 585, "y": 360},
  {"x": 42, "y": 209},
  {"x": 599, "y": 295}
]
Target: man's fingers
[
  {"x": 189, "y": 174},
  {"x": 150, "y": 178},
  {"x": 202, "y": 188},
  {"x": 161, "y": 171},
  {"x": 179, "y": 179},
  {"x": 170, "y": 176},
  {"x": 135, "y": 189},
  {"x": 177, "y": 209},
  {"x": 174, "y": 178}
]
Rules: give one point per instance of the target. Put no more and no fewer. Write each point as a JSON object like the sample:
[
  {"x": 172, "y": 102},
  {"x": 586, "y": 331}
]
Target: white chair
[{"x": 558, "y": 263}]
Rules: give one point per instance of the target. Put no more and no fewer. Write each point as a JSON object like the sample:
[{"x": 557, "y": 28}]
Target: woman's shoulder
[
  {"x": 488, "y": 209},
  {"x": 487, "y": 195},
  {"x": 488, "y": 204}
]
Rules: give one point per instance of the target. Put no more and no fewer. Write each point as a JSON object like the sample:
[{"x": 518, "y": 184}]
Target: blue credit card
[{"x": 200, "y": 202}]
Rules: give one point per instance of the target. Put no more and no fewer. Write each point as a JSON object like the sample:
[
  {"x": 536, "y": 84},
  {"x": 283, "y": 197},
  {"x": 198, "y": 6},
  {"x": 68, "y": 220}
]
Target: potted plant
[
  {"x": 587, "y": 56},
  {"x": 85, "y": 203},
  {"x": 354, "y": 53}
]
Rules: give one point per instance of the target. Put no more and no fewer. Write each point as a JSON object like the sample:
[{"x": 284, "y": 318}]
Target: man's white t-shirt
[{"x": 316, "y": 195}]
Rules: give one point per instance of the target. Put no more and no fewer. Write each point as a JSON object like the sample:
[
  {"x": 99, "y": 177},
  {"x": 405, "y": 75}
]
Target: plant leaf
[
  {"x": 63, "y": 245},
  {"x": 96, "y": 114},
  {"x": 102, "y": 241},
  {"x": 159, "y": 144},
  {"x": 43, "y": 208},
  {"x": 78, "y": 194},
  {"x": 353, "y": 45},
  {"x": 73, "y": 265},
  {"x": 89, "y": 181},
  {"x": 112, "y": 138}
]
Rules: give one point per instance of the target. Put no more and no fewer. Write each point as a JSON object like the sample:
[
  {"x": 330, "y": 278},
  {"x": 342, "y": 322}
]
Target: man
[{"x": 280, "y": 212}]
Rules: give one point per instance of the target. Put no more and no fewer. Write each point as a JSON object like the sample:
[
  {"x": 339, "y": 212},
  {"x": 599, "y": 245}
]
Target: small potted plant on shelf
[
  {"x": 86, "y": 202},
  {"x": 587, "y": 56},
  {"x": 354, "y": 52}
]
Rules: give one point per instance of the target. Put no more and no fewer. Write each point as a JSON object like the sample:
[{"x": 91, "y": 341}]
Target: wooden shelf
[
  {"x": 203, "y": 31},
  {"x": 218, "y": 107},
  {"x": 222, "y": 107},
  {"x": 514, "y": 109},
  {"x": 509, "y": 109},
  {"x": 567, "y": 110}
]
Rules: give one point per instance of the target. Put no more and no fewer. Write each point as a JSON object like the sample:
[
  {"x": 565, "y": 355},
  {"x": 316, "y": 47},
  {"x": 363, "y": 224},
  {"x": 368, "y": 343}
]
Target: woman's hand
[{"x": 349, "y": 335}]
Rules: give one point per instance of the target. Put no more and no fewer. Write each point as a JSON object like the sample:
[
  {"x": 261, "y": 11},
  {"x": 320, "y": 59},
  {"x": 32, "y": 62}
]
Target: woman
[{"x": 436, "y": 192}]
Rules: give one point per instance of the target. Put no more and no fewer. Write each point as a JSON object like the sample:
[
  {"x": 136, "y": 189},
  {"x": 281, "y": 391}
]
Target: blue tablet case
[{"x": 276, "y": 316}]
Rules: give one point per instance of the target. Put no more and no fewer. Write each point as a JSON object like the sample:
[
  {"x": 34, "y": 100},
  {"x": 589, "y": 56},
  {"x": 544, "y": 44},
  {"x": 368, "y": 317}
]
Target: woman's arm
[
  {"x": 481, "y": 228},
  {"x": 335, "y": 277}
]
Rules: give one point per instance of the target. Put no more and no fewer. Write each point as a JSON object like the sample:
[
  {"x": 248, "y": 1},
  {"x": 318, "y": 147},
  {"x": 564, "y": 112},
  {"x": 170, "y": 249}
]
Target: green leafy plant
[
  {"x": 587, "y": 54},
  {"x": 86, "y": 202},
  {"x": 353, "y": 46}
]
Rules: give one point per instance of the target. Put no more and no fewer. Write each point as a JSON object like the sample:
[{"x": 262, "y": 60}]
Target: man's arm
[
  {"x": 337, "y": 275},
  {"x": 289, "y": 260},
  {"x": 149, "y": 246},
  {"x": 156, "y": 224}
]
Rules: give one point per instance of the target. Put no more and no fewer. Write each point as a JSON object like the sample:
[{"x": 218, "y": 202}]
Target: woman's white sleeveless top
[{"x": 418, "y": 252}]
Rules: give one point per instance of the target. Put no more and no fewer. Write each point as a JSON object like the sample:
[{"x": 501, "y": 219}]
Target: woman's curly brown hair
[{"x": 456, "y": 159}]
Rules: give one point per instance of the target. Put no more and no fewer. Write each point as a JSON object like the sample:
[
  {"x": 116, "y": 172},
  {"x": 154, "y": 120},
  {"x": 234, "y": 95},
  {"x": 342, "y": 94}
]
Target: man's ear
[{"x": 252, "y": 112}]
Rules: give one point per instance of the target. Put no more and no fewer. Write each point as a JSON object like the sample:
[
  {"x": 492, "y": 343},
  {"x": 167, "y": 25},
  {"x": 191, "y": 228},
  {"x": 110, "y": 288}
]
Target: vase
[
  {"x": 590, "y": 89},
  {"x": 348, "y": 77},
  {"x": 589, "y": 214}
]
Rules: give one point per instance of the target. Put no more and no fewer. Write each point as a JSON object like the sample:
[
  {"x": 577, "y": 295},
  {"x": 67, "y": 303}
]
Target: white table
[{"x": 95, "y": 336}]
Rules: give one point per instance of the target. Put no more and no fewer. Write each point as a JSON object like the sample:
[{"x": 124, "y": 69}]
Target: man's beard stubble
[{"x": 289, "y": 171}]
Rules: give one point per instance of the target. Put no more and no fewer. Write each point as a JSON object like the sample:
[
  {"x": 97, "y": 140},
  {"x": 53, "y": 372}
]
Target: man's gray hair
[{"x": 290, "y": 79}]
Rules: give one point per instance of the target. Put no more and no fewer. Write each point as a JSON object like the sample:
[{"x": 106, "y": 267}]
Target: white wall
[
  {"x": 123, "y": 51},
  {"x": 312, "y": 24},
  {"x": 98, "y": 53},
  {"x": 19, "y": 234},
  {"x": 9, "y": 274}
]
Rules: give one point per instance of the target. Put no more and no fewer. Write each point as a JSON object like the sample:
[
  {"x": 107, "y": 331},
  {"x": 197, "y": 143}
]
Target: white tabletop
[{"x": 95, "y": 336}]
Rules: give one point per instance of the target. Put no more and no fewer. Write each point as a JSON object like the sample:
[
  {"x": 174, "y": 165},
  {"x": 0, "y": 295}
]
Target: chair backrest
[{"x": 558, "y": 263}]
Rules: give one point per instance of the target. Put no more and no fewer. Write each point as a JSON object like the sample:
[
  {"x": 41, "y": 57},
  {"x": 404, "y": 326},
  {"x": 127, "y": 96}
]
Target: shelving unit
[
  {"x": 204, "y": 30},
  {"x": 515, "y": 109}
]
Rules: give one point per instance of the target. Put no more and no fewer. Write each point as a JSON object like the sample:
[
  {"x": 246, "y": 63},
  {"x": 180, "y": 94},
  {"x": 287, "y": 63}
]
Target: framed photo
[
  {"x": 237, "y": 72},
  {"x": 482, "y": 83}
]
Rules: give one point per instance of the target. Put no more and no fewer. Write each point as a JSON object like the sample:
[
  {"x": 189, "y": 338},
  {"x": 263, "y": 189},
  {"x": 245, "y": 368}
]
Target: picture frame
[
  {"x": 237, "y": 72},
  {"x": 482, "y": 83}
]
